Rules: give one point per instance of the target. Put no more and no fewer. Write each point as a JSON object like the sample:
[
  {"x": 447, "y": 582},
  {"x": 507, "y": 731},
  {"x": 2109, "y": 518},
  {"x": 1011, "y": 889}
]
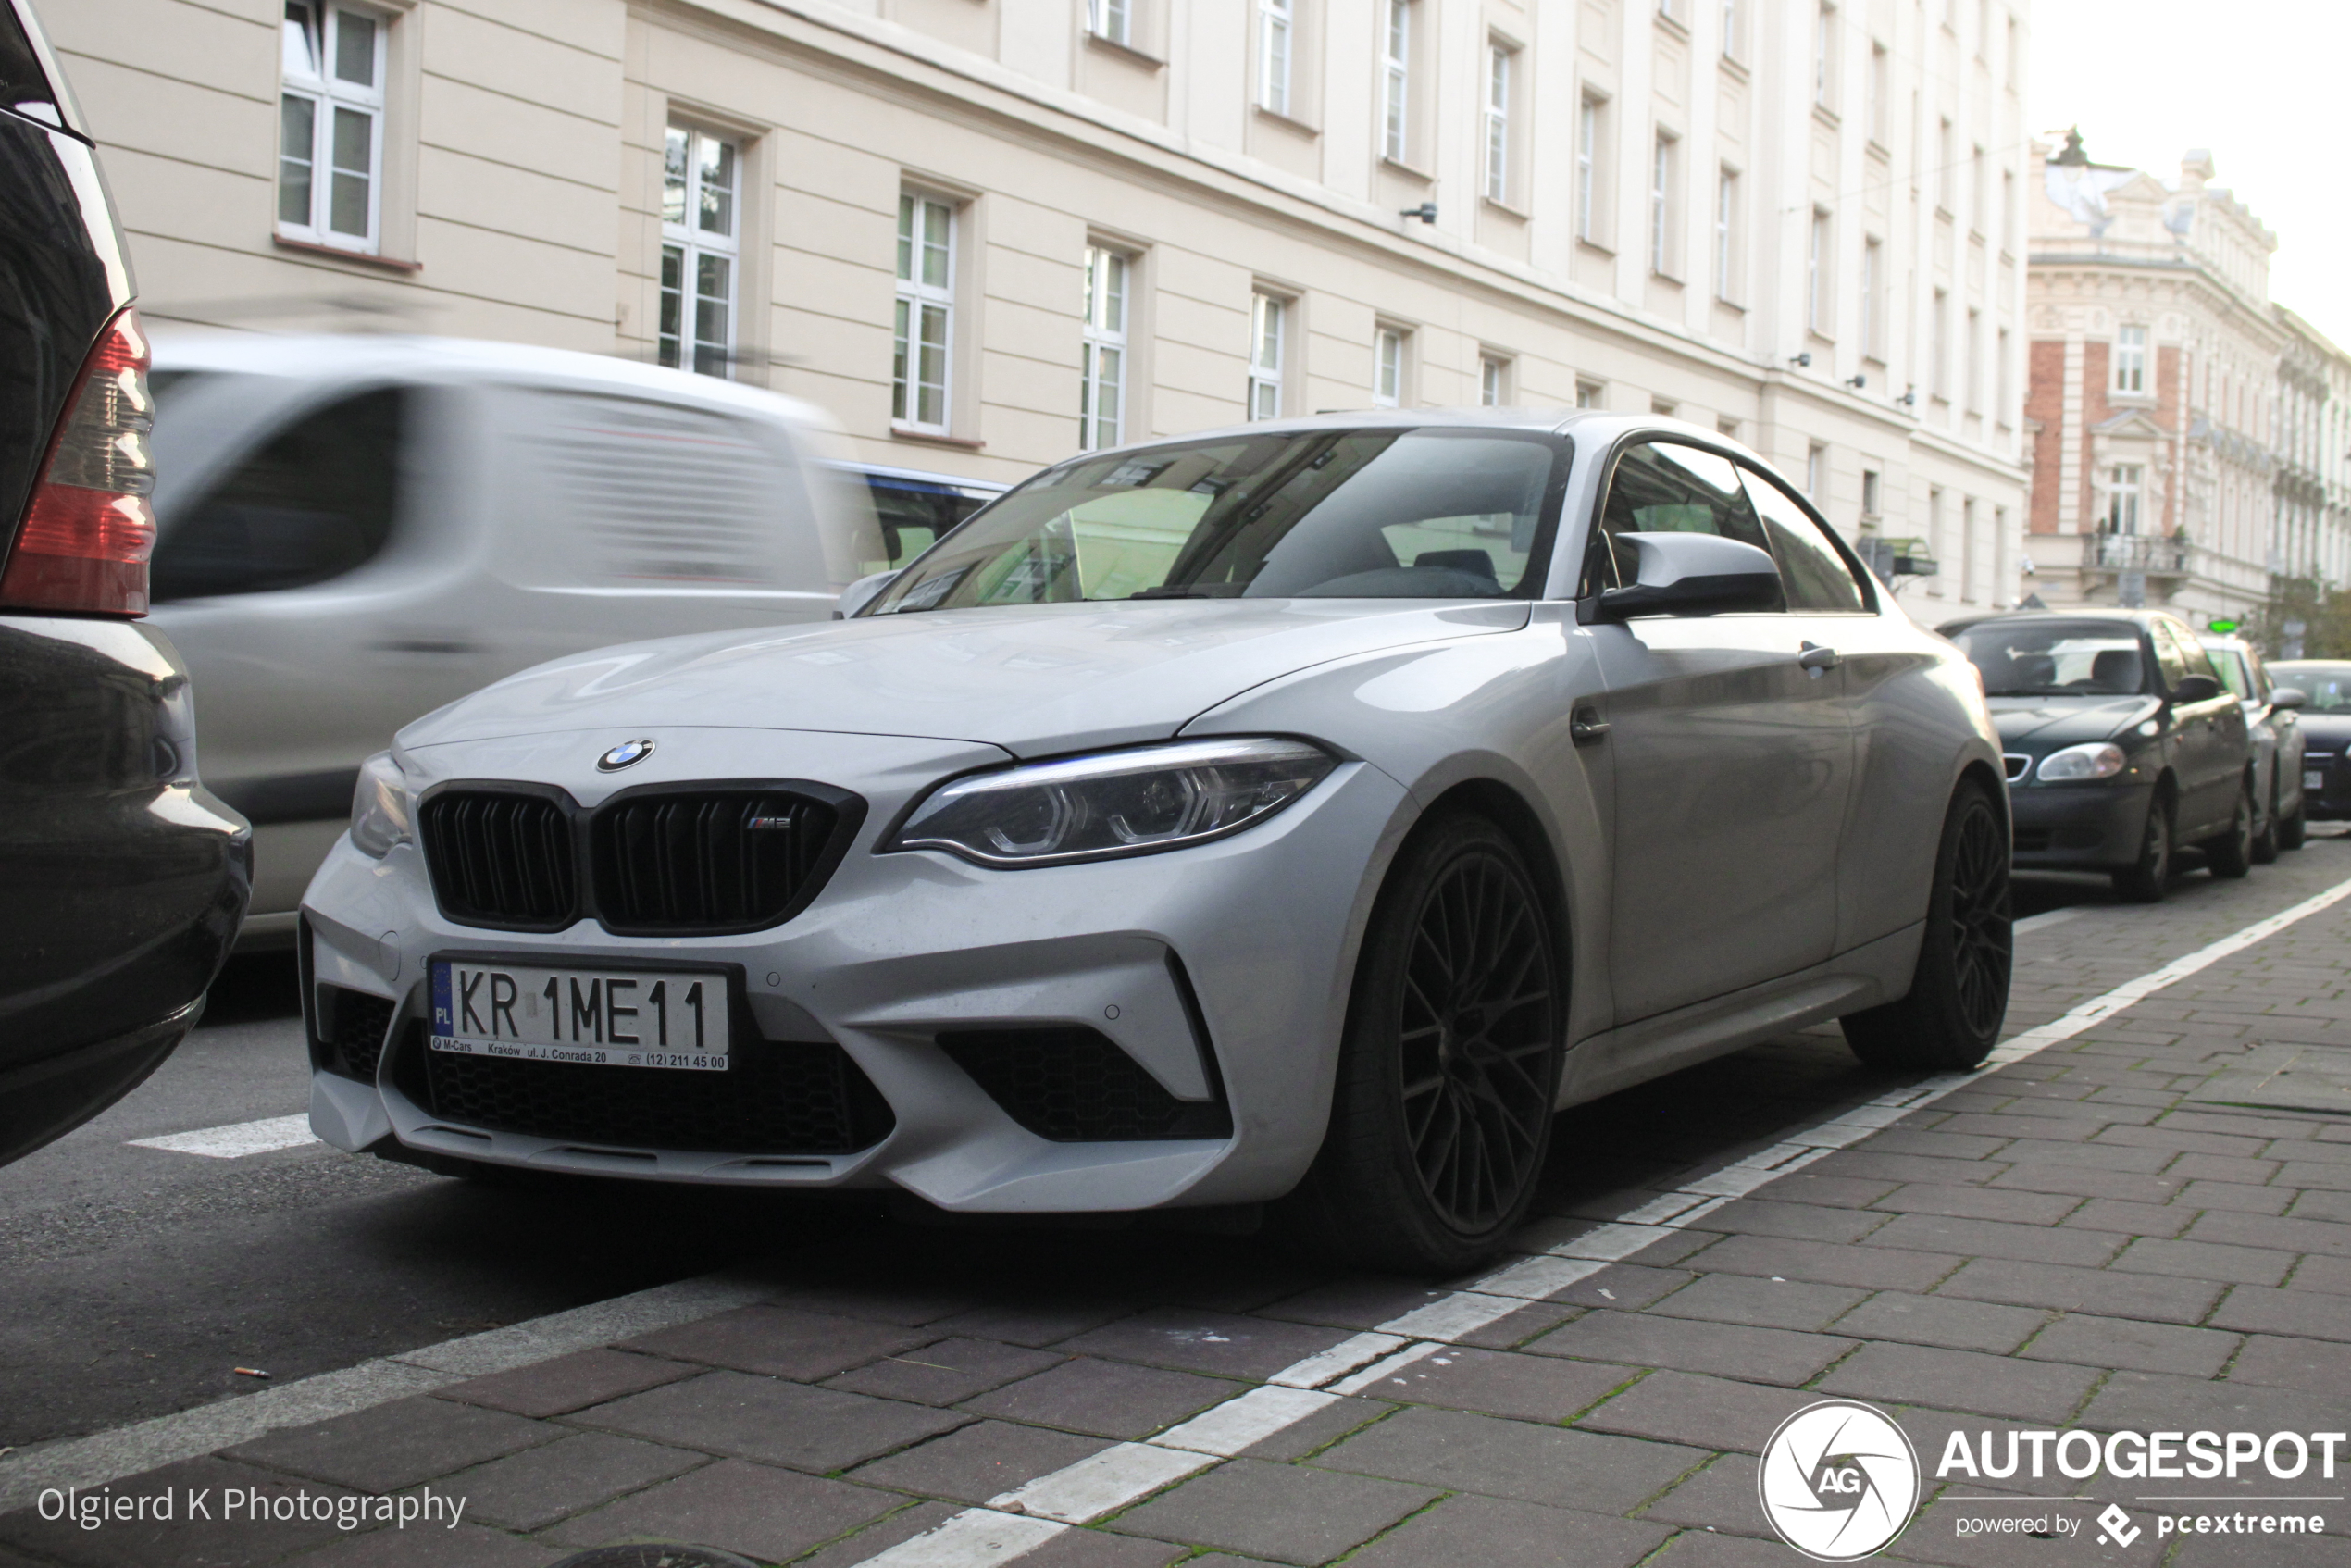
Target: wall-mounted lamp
[
  {"x": 1909, "y": 399},
  {"x": 1425, "y": 212},
  {"x": 1802, "y": 360},
  {"x": 1857, "y": 383}
]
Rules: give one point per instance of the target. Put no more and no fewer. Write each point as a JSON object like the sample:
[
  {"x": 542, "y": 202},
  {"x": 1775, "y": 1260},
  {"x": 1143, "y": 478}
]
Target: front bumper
[
  {"x": 899, "y": 950},
  {"x": 2078, "y": 826}
]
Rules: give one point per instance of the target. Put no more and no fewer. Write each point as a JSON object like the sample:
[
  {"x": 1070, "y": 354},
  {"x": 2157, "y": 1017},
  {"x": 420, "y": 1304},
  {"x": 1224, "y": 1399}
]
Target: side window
[
  {"x": 2169, "y": 654},
  {"x": 1664, "y": 487},
  {"x": 2232, "y": 672},
  {"x": 1814, "y": 575},
  {"x": 317, "y": 500},
  {"x": 2263, "y": 686}
]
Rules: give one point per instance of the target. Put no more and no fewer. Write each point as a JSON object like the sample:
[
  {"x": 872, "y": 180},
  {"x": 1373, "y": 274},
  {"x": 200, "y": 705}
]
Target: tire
[
  {"x": 1442, "y": 1114},
  {"x": 2230, "y": 856},
  {"x": 1959, "y": 993},
  {"x": 2295, "y": 831},
  {"x": 2150, "y": 879},
  {"x": 2265, "y": 840}
]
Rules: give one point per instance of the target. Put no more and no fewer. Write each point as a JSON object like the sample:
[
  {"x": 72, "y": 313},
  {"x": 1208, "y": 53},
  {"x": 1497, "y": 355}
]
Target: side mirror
[
  {"x": 2197, "y": 689},
  {"x": 2288, "y": 697},
  {"x": 1693, "y": 574},
  {"x": 862, "y": 592}
]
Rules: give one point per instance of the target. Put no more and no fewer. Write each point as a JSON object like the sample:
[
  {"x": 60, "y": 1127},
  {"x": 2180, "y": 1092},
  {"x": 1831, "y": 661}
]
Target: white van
[{"x": 358, "y": 530}]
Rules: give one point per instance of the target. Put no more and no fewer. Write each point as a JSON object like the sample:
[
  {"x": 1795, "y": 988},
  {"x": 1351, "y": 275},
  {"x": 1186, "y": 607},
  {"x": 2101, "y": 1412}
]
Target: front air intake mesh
[
  {"x": 352, "y": 1026},
  {"x": 500, "y": 858},
  {"x": 1074, "y": 1086},
  {"x": 732, "y": 861}
]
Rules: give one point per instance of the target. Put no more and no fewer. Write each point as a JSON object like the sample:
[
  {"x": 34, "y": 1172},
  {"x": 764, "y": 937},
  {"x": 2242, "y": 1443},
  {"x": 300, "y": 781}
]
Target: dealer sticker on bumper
[{"x": 599, "y": 1017}]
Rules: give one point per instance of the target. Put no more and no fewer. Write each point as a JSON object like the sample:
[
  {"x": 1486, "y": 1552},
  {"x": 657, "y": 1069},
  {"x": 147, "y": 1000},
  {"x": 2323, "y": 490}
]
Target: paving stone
[
  {"x": 909, "y": 1305},
  {"x": 568, "y": 1383},
  {"x": 179, "y": 1542},
  {"x": 1289, "y": 1514},
  {"x": 1979, "y": 1202},
  {"x": 468, "y": 1546},
  {"x": 1035, "y": 1322},
  {"x": 2097, "y": 1156},
  {"x": 1623, "y": 1287},
  {"x": 1559, "y": 1466},
  {"x": 978, "y": 1462},
  {"x": 1941, "y": 1320},
  {"x": 1869, "y": 1266},
  {"x": 2317, "y": 1366},
  {"x": 2307, "y": 1174},
  {"x": 1869, "y": 1163},
  {"x": 2153, "y": 1402},
  {"x": 2322, "y": 1204},
  {"x": 780, "y": 1341},
  {"x": 1720, "y": 1497},
  {"x": 1714, "y": 1412},
  {"x": 532, "y": 1489},
  {"x": 1941, "y": 1145},
  {"x": 778, "y": 1423},
  {"x": 1991, "y": 1239},
  {"x": 1318, "y": 1431},
  {"x": 2331, "y": 1276},
  {"x": 1502, "y": 1532},
  {"x": 945, "y": 1371},
  {"x": 1501, "y": 1383},
  {"x": 1367, "y": 1302},
  {"x": 389, "y": 1447},
  {"x": 1810, "y": 1188},
  {"x": 2276, "y": 1234},
  {"x": 2258, "y": 1551},
  {"x": 1204, "y": 1341},
  {"x": 1696, "y": 1549},
  {"x": 860, "y": 1546},
  {"x": 2077, "y": 1289},
  {"x": 1803, "y": 1221},
  {"x": 2171, "y": 1133},
  {"x": 1099, "y": 1549},
  {"x": 1105, "y": 1399},
  {"x": 2219, "y": 1167},
  {"x": 2089, "y": 1340},
  {"x": 1960, "y": 1380},
  {"x": 2131, "y": 1219},
  {"x": 1765, "y": 1355},
  {"x": 1760, "y": 1302},
  {"x": 756, "y": 1509},
  {"x": 2087, "y": 1182},
  {"x": 2310, "y": 1314}
]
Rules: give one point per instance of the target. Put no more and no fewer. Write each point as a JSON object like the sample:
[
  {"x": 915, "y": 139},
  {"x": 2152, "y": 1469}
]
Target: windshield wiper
[{"x": 1172, "y": 592}]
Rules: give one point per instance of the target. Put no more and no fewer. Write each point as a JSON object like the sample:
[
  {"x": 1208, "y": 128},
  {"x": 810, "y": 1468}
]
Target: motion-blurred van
[{"x": 354, "y": 530}]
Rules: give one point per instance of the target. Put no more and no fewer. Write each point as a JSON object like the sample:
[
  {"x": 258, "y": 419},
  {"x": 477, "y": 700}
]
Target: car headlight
[
  {"x": 380, "y": 811},
  {"x": 2100, "y": 759},
  {"x": 1118, "y": 803}
]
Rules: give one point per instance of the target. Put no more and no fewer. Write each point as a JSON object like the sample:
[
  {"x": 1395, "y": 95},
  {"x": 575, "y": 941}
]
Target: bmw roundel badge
[{"x": 628, "y": 754}]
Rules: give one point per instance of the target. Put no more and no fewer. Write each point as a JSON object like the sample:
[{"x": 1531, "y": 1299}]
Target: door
[
  {"x": 1732, "y": 755},
  {"x": 2208, "y": 737}
]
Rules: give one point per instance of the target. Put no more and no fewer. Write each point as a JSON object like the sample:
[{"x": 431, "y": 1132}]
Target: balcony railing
[{"x": 2136, "y": 552}]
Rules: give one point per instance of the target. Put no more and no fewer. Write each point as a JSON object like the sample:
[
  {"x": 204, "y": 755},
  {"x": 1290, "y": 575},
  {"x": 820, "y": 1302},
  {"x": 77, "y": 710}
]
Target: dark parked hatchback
[
  {"x": 2121, "y": 742},
  {"x": 2326, "y": 732},
  {"x": 125, "y": 880}
]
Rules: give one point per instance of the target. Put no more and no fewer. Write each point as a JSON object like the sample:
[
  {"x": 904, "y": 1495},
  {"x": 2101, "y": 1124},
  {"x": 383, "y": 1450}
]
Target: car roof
[
  {"x": 2140, "y": 618},
  {"x": 371, "y": 356},
  {"x": 1582, "y": 422},
  {"x": 924, "y": 477}
]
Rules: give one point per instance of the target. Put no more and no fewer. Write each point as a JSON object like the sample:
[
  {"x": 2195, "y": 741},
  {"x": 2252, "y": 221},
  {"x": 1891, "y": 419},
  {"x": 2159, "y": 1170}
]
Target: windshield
[
  {"x": 1412, "y": 513},
  {"x": 2057, "y": 658},
  {"x": 2328, "y": 686}
]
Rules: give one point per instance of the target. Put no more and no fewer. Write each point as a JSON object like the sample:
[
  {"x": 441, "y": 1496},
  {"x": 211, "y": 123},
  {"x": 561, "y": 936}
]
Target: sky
[{"x": 2265, "y": 85}]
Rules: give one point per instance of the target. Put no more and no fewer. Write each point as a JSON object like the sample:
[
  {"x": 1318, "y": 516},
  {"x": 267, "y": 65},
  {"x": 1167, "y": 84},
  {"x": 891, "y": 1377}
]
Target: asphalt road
[{"x": 136, "y": 1280}]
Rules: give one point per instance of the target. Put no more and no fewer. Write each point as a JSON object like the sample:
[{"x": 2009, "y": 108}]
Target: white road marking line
[
  {"x": 974, "y": 1536},
  {"x": 236, "y": 1141},
  {"x": 1345, "y": 1356},
  {"x": 1110, "y": 1479},
  {"x": 1372, "y": 1376},
  {"x": 1226, "y": 1429}
]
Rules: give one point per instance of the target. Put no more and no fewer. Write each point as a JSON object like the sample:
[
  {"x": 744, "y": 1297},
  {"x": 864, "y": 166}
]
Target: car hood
[
  {"x": 1033, "y": 679},
  {"x": 2067, "y": 721},
  {"x": 2328, "y": 729}
]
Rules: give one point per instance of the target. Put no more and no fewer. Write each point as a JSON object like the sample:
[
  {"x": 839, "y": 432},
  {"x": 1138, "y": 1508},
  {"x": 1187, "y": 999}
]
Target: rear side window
[
  {"x": 24, "y": 87},
  {"x": 317, "y": 500},
  {"x": 2229, "y": 666},
  {"x": 2171, "y": 654},
  {"x": 1663, "y": 487},
  {"x": 1813, "y": 574}
]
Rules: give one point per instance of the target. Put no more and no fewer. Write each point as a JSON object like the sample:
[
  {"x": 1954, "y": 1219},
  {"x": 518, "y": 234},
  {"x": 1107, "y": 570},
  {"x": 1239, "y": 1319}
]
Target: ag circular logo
[
  {"x": 628, "y": 754},
  {"x": 1839, "y": 1480}
]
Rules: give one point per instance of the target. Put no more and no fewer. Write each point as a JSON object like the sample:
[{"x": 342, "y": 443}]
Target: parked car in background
[
  {"x": 125, "y": 878},
  {"x": 356, "y": 530},
  {"x": 2121, "y": 742},
  {"x": 2325, "y": 720},
  {"x": 916, "y": 508},
  {"x": 2279, "y": 816}
]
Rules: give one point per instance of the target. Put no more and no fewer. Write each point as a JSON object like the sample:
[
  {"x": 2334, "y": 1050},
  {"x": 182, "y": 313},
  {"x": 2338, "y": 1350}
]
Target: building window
[
  {"x": 2016, "y": 54},
  {"x": 926, "y": 312},
  {"x": 1396, "y": 136},
  {"x": 1881, "y": 68},
  {"x": 330, "y": 125},
  {"x": 1387, "y": 367},
  {"x": 1726, "y": 216},
  {"x": 1730, "y": 29},
  {"x": 1816, "y": 474},
  {"x": 1870, "y": 499},
  {"x": 1663, "y": 407},
  {"x": 1662, "y": 203},
  {"x": 2131, "y": 361},
  {"x": 1873, "y": 303},
  {"x": 1111, "y": 20},
  {"x": 699, "y": 175},
  {"x": 1975, "y": 362},
  {"x": 1816, "y": 274},
  {"x": 1944, "y": 172},
  {"x": 1493, "y": 382},
  {"x": 1824, "y": 57},
  {"x": 2007, "y": 205},
  {"x": 1273, "y": 26},
  {"x": 1589, "y": 394},
  {"x": 1101, "y": 409},
  {"x": 1498, "y": 60},
  {"x": 1588, "y": 130},
  {"x": 1938, "y": 377},
  {"x": 1269, "y": 332},
  {"x": 1979, "y": 218},
  {"x": 2126, "y": 481}
]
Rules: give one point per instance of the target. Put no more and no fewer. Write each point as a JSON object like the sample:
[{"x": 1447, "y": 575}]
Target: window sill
[
  {"x": 1583, "y": 243},
  {"x": 1487, "y": 203},
  {"x": 1420, "y": 175},
  {"x": 1737, "y": 67},
  {"x": 310, "y": 247},
  {"x": 1730, "y": 304},
  {"x": 1286, "y": 122},
  {"x": 934, "y": 437},
  {"x": 1877, "y": 149},
  {"x": 1827, "y": 116},
  {"x": 1674, "y": 24},
  {"x": 1126, "y": 52}
]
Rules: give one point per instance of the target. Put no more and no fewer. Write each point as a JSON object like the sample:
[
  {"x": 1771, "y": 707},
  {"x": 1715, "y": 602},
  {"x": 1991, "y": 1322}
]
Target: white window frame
[
  {"x": 1396, "y": 83},
  {"x": 1816, "y": 475},
  {"x": 1390, "y": 345},
  {"x": 1727, "y": 219},
  {"x": 1817, "y": 260},
  {"x": 1589, "y": 393},
  {"x": 1872, "y": 301},
  {"x": 1664, "y": 151},
  {"x": 1111, "y": 20},
  {"x": 1589, "y": 129},
  {"x": 2123, "y": 496},
  {"x": 1939, "y": 370},
  {"x": 920, "y": 301},
  {"x": 1493, "y": 381},
  {"x": 1871, "y": 498},
  {"x": 1823, "y": 58},
  {"x": 331, "y": 98},
  {"x": 1268, "y": 351},
  {"x": 2128, "y": 376},
  {"x": 1730, "y": 29},
  {"x": 690, "y": 245},
  {"x": 1276, "y": 32},
  {"x": 1881, "y": 72},
  {"x": 1500, "y": 63},
  {"x": 1974, "y": 361},
  {"x": 1109, "y": 300}
]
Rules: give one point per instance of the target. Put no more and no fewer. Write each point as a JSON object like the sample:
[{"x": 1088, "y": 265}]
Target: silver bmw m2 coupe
[{"x": 1302, "y": 812}]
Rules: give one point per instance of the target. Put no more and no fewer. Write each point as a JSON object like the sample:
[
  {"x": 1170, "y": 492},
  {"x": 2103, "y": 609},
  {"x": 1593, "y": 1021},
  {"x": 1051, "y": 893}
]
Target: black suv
[
  {"x": 2122, "y": 743},
  {"x": 125, "y": 880}
]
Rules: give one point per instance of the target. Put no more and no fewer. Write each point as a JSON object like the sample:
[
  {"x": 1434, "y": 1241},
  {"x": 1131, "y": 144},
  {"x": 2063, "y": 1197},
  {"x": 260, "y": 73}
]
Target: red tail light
[{"x": 87, "y": 529}]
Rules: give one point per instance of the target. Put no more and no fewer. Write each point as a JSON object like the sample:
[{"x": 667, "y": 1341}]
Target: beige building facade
[{"x": 984, "y": 233}]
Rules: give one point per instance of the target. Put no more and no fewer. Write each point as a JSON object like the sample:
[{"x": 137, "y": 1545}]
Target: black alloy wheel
[
  {"x": 2149, "y": 878},
  {"x": 2265, "y": 832},
  {"x": 1959, "y": 995},
  {"x": 1441, "y": 1115},
  {"x": 2231, "y": 855}
]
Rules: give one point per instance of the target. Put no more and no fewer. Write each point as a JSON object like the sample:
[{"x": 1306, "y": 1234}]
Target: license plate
[
  {"x": 600, "y": 1017},
  {"x": 2313, "y": 779}
]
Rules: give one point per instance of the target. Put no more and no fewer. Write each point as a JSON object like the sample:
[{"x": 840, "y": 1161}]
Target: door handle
[
  {"x": 1816, "y": 661},
  {"x": 1585, "y": 727}
]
